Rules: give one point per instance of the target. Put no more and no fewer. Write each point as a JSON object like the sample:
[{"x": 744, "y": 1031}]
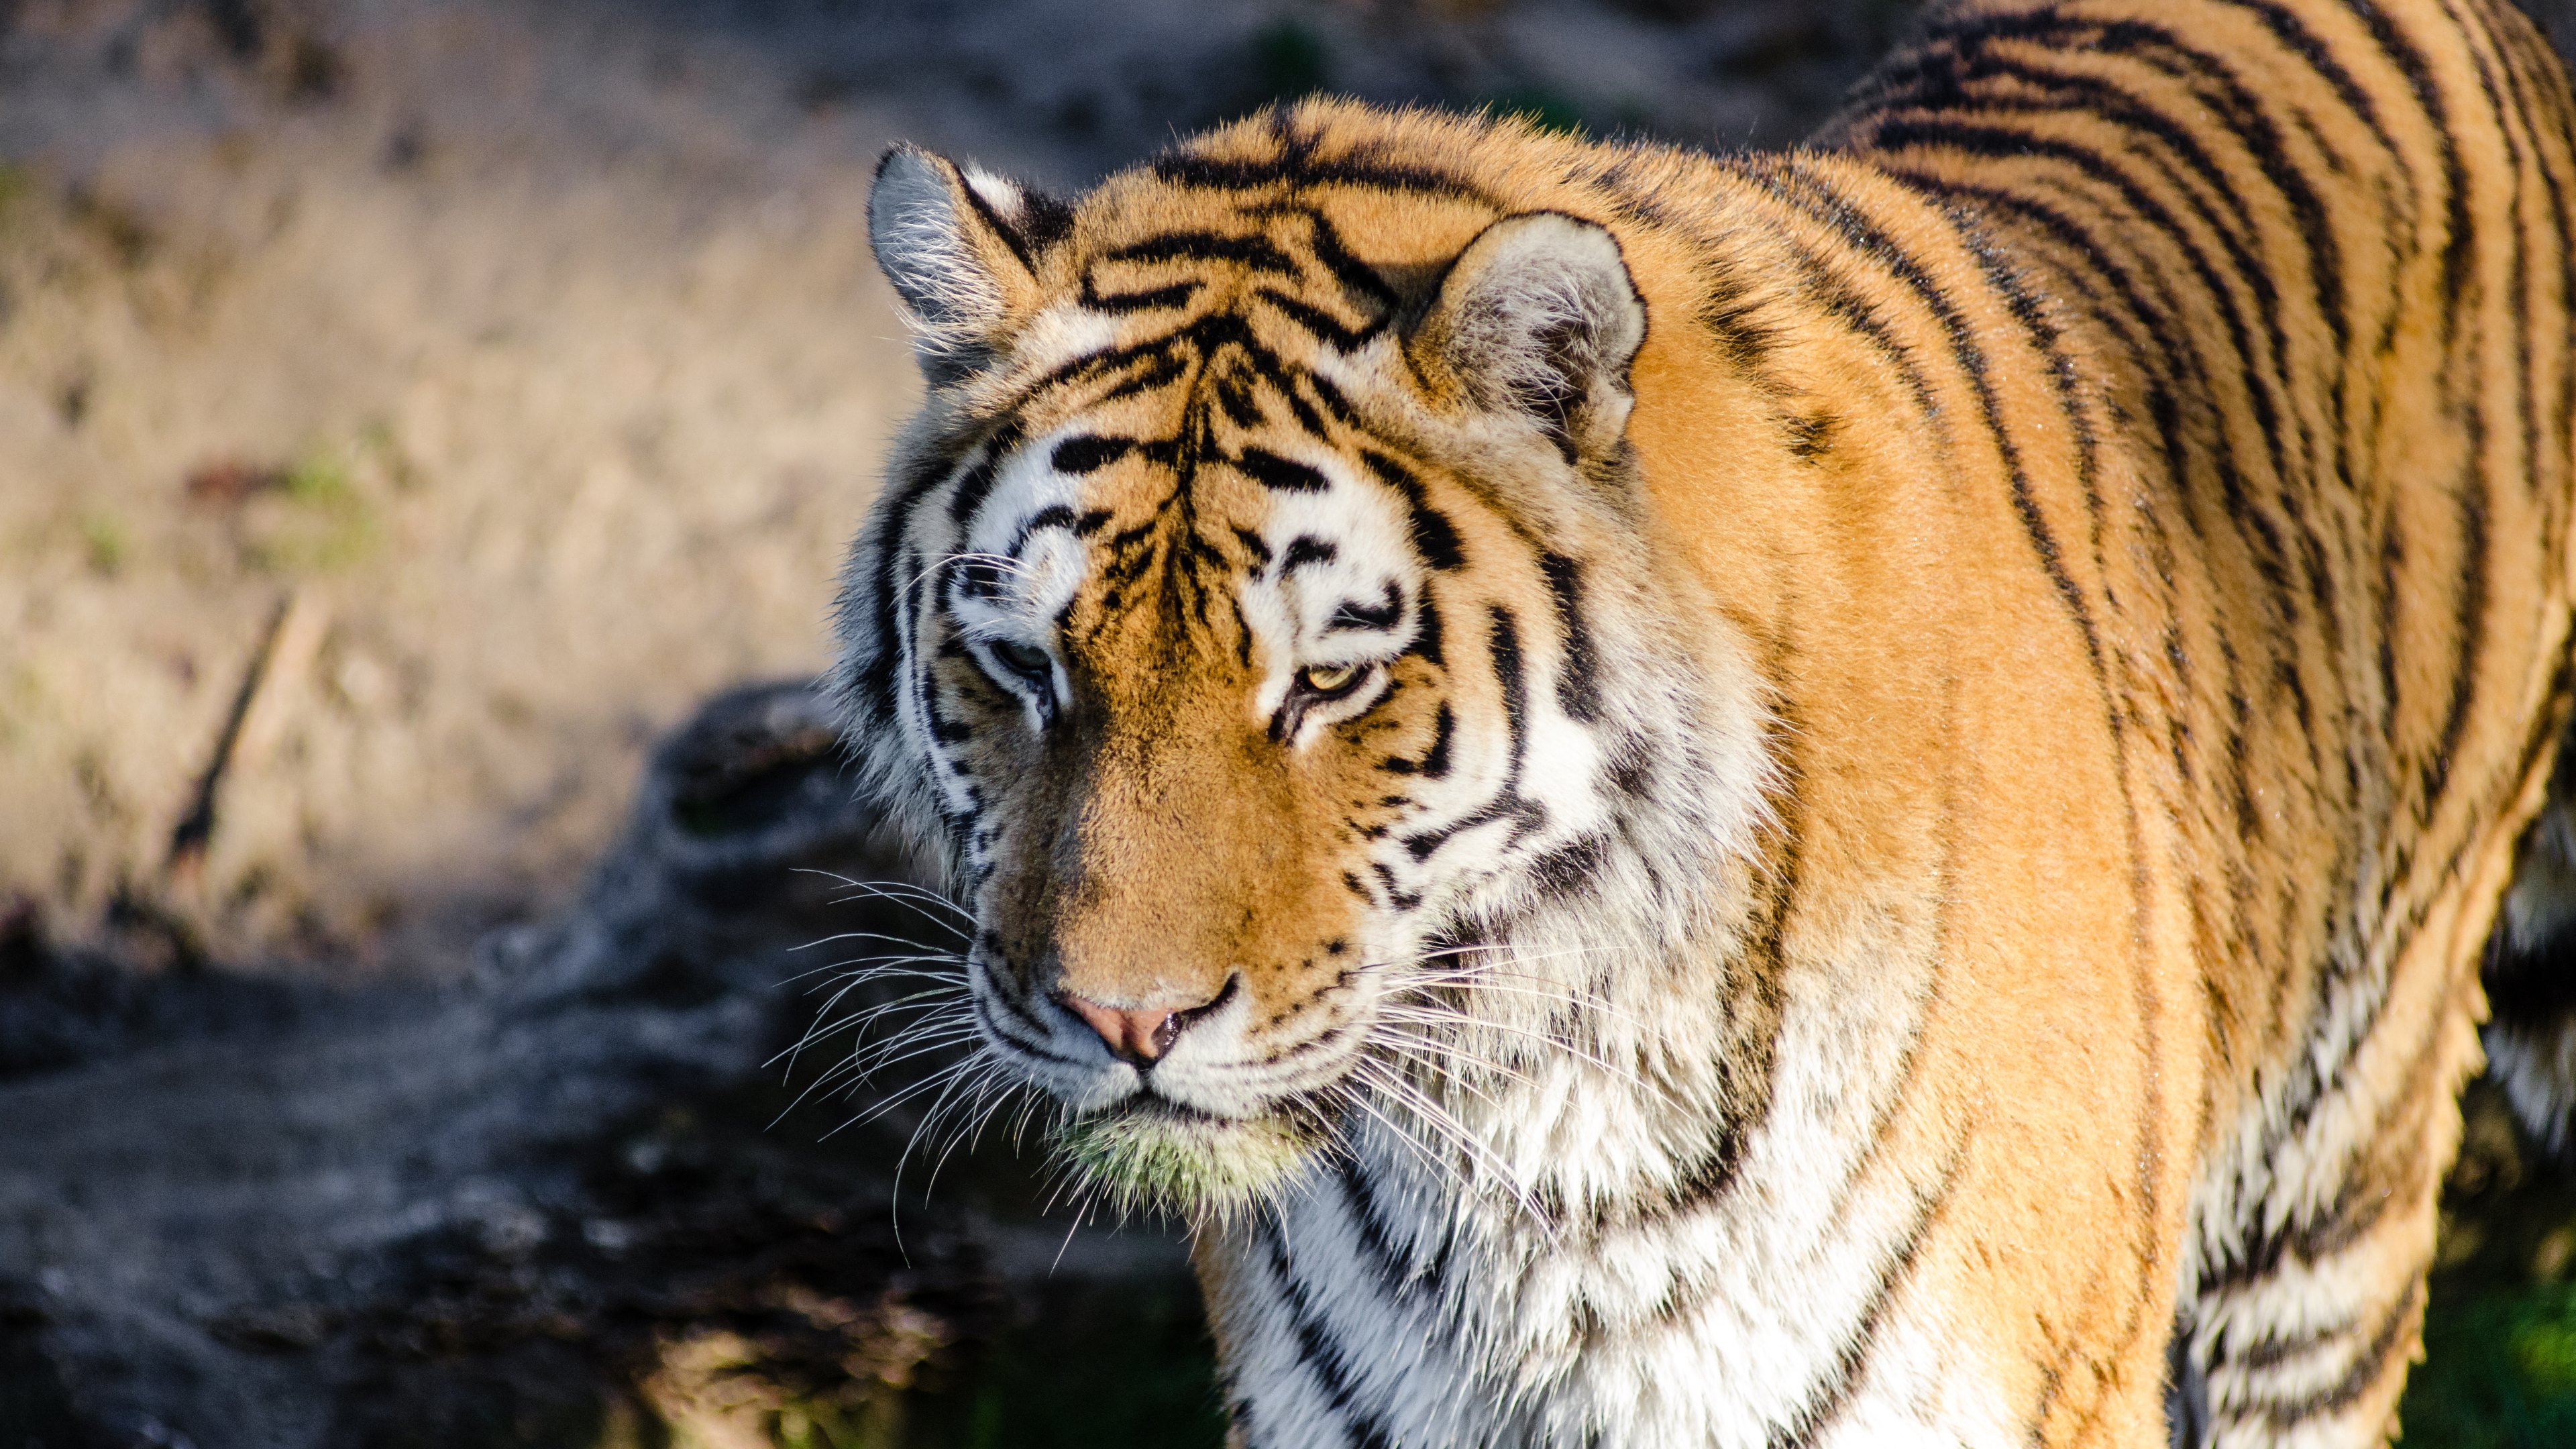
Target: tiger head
[{"x": 1250, "y": 617}]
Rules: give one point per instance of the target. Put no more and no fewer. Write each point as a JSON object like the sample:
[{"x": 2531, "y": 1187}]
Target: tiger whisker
[
  {"x": 897, "y": 1100},
  {"x": 1556, "y": 1045},
  {"x": 1436, "y": 1057},
  {"x": 965, "y": 1081},
  {"x": 969, "y": 1133},
  {"x": 857, "y": 1024},
  {"x": 900, "y": 891},
  {"x": 899, "y": 940},
  {"x": 1004, "y": 562},
  {"x": 909, "y": 1046},
  {"x": 1348, "y": 1093},
  {"x": 1482, "y": 1154}
]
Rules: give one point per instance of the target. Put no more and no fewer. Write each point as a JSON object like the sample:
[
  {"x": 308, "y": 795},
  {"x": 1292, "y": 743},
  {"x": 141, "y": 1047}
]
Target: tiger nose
[{"x": 1139, "y": 1037}]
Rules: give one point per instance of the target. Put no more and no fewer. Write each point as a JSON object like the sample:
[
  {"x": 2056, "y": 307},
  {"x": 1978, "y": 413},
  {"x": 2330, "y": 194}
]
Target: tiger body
[{"x": 1834, "y": 798}]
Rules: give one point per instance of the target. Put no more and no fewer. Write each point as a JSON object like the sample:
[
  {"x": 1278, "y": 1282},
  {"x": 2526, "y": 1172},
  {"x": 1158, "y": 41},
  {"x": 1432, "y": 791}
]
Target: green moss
[
  {"x": 331, "y": 523},
  {"x": 104, "y": 541},
  {"x": 319, "y": 479}
]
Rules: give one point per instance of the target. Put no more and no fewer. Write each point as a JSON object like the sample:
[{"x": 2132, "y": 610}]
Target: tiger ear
[
  {"x": 1539, "y": 316},
  {"x": 960, "y": 245}
]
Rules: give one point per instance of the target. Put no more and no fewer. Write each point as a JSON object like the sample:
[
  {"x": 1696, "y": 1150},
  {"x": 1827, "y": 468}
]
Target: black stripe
[
  {"x": 976, "y": 484},
  {"x": 1434, "y": 537},
  {"x": 1356, "y": 276},
  {"x": 1332, "y": 401},
  {"x": 1394, "y": 1268},
  {"x": 1054, "y": 515},
  {"x": 1568, "y": 870},
  {"x": 1504, "y": 645},
  {"x": 1254, "y": 545},
  {"x": 1317, "y": 1350},
  {"x": 1298, "y": 165},
  {"x": 1829, "y": 1395},
  {"x": 1525, "y": 815},
  {"x": 1427, "y": 633},
  {"x": 1280, "y": 474},
  {"x": 1386, "y": 613},
  {"x": 1305, "y": 549},
  {"x": 875, "y": 681},
  {"x": 1089, "y": 453},
  {"x": 1044, "y": 220},
  {"x": 1009, "y": 234},
  {"x": 2370, "y": 1364},
  {"x": 1251, "y": 250},
  {"x": 2419, "y": 77},
  {"x": 1435, "y": 761},
  {"x": 1326, "y": 327},
  {"x": 1578, "y": 690},
  {"x": 2469, "y": 606},
  {"x": 1176, "y": 294}
]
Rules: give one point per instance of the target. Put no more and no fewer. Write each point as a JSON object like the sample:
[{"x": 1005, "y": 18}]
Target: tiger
[{"x": 1848, "y": 796}]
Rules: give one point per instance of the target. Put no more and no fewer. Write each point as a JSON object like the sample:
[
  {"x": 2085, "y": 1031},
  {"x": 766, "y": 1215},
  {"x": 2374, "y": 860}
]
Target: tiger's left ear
[
  {"x": 961, "y": 247},
  {"x": 1539, "y": 316}
]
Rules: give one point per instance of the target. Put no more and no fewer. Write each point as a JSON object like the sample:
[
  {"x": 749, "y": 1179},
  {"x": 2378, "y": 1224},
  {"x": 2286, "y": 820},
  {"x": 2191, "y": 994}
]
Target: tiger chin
[{"x": 1845, "y": 797}]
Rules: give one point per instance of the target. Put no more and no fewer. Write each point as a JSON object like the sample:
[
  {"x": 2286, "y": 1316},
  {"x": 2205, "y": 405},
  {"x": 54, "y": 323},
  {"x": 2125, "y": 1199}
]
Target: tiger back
[{"x": 1837, "y": 797}]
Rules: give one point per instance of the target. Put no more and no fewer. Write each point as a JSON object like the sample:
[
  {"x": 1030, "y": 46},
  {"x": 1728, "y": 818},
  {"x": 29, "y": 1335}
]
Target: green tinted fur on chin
[{"x": 1200, "y": 1170}]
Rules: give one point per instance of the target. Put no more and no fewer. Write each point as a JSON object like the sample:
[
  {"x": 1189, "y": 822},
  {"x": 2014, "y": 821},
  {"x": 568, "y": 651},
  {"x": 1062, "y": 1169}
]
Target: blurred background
[{"x": 428, "y": 432}]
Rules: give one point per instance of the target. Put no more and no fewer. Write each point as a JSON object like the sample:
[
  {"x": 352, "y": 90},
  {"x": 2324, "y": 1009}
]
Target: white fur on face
[{"x": 1331, "y": 550}]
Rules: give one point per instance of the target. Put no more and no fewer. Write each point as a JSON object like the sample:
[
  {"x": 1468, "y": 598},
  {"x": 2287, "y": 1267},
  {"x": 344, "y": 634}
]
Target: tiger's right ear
[
  {"x": 1539, "y": 316},
  {"x": 960, "y": 246}
]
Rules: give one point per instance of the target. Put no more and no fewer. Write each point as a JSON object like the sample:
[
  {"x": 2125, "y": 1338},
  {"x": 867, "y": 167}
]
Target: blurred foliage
[
  {"x": 1542, "y": 108},
  {"x": 1100, "y": 1364},
  {"x": 1290, "y": 60},
  {"x": 2499, "y": 1368}
]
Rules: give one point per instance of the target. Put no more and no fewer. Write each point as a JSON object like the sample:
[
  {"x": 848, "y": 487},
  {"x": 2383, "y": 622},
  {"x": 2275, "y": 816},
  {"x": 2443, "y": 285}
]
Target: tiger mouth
[{"x": 1151, "y": 1154}]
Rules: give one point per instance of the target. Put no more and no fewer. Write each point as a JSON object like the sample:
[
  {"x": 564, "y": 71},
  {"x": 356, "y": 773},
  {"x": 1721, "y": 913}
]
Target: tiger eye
[
  {"x": 1027, "y": 660},
  {"x": 1330, "y": 679}
]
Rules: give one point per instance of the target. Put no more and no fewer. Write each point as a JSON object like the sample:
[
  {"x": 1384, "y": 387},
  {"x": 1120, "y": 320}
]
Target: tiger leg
[{"x": 2303, "y": 1299}]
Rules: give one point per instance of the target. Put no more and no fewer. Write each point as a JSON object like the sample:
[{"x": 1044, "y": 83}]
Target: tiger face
[{"x": 1221, "y": 627}]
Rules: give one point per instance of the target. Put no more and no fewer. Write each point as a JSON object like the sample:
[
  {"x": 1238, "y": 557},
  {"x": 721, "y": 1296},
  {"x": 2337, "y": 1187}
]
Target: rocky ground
[{"x": 415, "y": 417}]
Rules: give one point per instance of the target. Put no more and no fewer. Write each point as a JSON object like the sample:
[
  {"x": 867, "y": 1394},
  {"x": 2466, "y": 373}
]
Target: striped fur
[{"x": 1845, "y": 797}]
